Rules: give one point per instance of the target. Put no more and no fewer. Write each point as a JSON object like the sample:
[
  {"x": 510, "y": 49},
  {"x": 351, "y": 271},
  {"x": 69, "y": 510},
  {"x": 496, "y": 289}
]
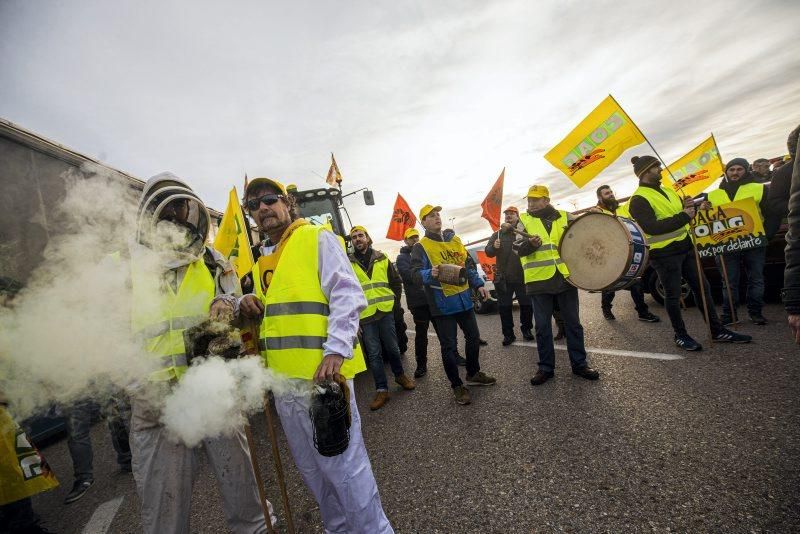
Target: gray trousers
[
  {"x": 164, "y": 472},
  {"x": 79, "y": 426}
]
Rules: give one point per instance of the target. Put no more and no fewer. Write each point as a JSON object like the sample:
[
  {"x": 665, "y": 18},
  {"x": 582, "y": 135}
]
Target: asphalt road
[{"x": 706, "y": 441}]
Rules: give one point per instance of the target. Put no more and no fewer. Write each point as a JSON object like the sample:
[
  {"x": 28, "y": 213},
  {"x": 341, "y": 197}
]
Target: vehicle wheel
[
  {"x": 657, "y": 290},
  {"x": 480, "y": 306}
]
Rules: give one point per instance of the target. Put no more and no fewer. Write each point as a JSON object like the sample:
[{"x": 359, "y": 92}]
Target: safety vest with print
[
  {"x": 295, "y": 323},
  {"x": 380, "y": 296},
  {"x": 542, "y": 263},
  {"x": 452, "y": 252},
  {"x": 160, "y": 314},
  {"x": 663, "y": 207},
  {"x": 717, "y": 197}
]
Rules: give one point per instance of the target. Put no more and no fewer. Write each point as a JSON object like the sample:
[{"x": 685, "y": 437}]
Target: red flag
[
  {"x": 491, "y": 204},
  {"x": 402, "y": 219},
  {"x": 487, "y": 264},
  {"x": 334, "y": 176}
]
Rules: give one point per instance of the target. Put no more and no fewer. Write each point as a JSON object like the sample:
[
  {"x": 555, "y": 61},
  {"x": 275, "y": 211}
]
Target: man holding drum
[
  {"x": 545, "y": 280},
  {"x": 607, "y": 203},
  {"x": 665, "y": 217}
]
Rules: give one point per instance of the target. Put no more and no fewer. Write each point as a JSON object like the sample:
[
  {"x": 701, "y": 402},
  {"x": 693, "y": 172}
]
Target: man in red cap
[{"x": 509, "y": 280}]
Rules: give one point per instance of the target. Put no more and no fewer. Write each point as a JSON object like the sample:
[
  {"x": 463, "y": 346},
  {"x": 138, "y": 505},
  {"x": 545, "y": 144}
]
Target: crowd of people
[{"x": 322, "y": 314}]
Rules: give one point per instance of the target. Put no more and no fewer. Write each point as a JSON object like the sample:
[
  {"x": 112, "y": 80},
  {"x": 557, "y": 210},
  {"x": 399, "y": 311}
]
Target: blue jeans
[
  {"x": 79, "y": 442},
  {"x": 543, "y": 312},
  {"x": 753, "y": 260},
  {"x": 447, "y": 331},
  {"x": 374, "y": 333}
]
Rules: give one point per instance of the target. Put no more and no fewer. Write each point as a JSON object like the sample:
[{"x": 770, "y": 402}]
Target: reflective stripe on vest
[
  {"x": 295, "y": 324},
  {"x": 380, "y": 296},
  {"x": 542, "y": 263},
  {"x": 717, "y": 197},
  {"x": 663, "y": 207},
  {"x": 160, "y": 315}
]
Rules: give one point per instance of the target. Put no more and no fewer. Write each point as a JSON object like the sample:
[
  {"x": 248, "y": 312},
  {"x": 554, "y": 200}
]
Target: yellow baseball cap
[
  {"x": 427, "y": 209},
  {"x": 410, "y": 232},
  {"x": 357, "y": 228},
  {"x": 265, "y": 181},
  {"x": 538, "y": 191}
]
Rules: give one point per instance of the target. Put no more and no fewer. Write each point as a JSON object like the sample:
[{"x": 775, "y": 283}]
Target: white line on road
[
  {"x": 102, "y": 518},
  {"x": 609, "y": 352},
  {"x": 615, "y": 352}
]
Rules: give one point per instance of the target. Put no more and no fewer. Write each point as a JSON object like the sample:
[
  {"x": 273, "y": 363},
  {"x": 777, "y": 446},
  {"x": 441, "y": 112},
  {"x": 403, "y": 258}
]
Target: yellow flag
[
  {"x": 695, "y": 171},
  {"x": 232, "y": 240},
  {"x": 595, "y": 143}
]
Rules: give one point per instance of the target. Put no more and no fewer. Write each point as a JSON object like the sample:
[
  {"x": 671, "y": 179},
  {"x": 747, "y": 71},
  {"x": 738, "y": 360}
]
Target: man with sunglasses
[
  {"x": 664, "y": 217},
  {"x": 307, "y": 301}
]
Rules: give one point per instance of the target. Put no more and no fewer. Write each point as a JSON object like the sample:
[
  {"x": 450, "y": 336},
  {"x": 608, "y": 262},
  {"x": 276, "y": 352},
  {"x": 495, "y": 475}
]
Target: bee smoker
[
  {"x": 452, "y": 274},
  {"x": 330, "y": 418}
]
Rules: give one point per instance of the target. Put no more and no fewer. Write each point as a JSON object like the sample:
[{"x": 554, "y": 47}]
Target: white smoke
[
  {"x": 67, "y": 335},
  {"x": 214, "y": 396}
]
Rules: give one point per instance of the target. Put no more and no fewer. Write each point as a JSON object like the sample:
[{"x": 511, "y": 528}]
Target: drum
[{"x": 603, "y": 252}]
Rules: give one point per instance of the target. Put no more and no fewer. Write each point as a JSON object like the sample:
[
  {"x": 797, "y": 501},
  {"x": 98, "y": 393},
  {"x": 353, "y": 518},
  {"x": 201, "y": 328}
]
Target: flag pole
[
  {"x": 724, "y": 265},
  {"x": 700, "y": 275}
]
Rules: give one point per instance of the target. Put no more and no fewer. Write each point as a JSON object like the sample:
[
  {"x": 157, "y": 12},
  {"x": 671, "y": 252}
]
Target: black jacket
[
  {"x": 778, "y": 196},
  {"x": 508, "y": 266},
  {"x": 522, "y": 247},
  {"x": 791, "y": 276},
  {"x": 367, "y": 262},
  {"x": 415, "y": 295},
  {"x": 642, "y": 212}
]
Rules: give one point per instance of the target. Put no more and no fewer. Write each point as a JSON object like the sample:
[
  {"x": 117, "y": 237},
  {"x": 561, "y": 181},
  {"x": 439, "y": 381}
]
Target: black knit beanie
[
  {"x": 642, "y": 163},
  {"x": 737, "y": 161}
]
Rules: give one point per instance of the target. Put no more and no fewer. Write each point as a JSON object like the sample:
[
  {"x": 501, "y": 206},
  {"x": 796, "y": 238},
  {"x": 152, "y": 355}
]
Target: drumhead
[{"x": 596, "y": 250}]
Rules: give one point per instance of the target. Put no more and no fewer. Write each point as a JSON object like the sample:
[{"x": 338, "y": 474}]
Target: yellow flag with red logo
[
  {"x": 232, "y": 240},
  {"x": 595, "y": 143},
  {"x": 695, "y": 171}
]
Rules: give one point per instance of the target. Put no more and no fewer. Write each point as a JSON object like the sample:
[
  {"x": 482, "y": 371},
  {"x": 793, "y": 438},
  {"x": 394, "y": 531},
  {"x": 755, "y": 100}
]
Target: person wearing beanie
[
  {"x": 450, "y": 301},
  {"x": 509, "y": 280},
  {"x": 664, "y": 218},
  {"x": 545, "y": 275},
  {"x": 740, "y": 184},
  {"x": 383, "y": 287},
  {"x": 607, "y": 203}
]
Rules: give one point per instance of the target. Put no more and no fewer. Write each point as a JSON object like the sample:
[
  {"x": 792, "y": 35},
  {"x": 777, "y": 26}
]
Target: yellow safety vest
[
  {"x": 663, "y": 207},
  {"x": 295, "y": 321},
  {"x": 542, "y": 264},
  {"x": 717, "y": 197},
  {"x": 160, "y": 315},
  {"x": 452, "y": 252},
  {"x": 622, "y": 211},
  {"x": 380, "y": 296},
  {"x": 23, "y": 470}
]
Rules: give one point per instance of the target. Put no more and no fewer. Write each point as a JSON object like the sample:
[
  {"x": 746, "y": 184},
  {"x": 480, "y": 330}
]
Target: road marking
[
  {"x": 614, "y": 352},
  {"x": 608, "y": 352},
  {"x": 102, "y": 518}
]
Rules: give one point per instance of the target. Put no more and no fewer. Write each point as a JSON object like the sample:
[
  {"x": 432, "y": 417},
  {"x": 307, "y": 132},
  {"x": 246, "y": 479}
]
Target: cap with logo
[{"x": 538, "y": 191}]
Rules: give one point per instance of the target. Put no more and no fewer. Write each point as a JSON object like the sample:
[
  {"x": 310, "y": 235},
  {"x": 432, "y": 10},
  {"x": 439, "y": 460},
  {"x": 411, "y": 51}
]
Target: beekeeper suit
[{"x": 174, "y": 278}]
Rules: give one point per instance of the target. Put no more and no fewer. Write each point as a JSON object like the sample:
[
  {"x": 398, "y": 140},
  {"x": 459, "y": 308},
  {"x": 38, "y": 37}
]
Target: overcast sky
[{"x": 429, "y": 99}]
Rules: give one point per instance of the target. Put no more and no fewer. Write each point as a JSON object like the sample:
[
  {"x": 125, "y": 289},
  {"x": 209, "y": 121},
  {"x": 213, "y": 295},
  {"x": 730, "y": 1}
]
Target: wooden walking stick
[{"x": 248, "y": 433}]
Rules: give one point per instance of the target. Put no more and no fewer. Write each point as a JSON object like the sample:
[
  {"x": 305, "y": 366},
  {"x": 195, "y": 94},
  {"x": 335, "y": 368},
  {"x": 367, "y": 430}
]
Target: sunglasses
[{"x": 269, "y": 199}]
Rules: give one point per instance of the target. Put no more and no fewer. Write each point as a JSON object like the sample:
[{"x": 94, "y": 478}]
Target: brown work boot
[
  {"x": 404, "y": 381},
  {"x": 462, "y": 395},
  {"x": 381, "y": 398}
]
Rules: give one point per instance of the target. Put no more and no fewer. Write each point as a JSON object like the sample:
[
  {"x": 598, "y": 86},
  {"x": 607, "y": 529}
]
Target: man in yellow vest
[
  {"x": 545, "y": 280},
  {"x": 450, "y": 303},
  {"x": 607, "y": 203},
  {"x": 174, "y": 278},
  {"x": 740, "y": 184},
  {"x": 308, "y": 301},
  {"x": 664, "y": 218},
  {"x": 382, "y": 287}
]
